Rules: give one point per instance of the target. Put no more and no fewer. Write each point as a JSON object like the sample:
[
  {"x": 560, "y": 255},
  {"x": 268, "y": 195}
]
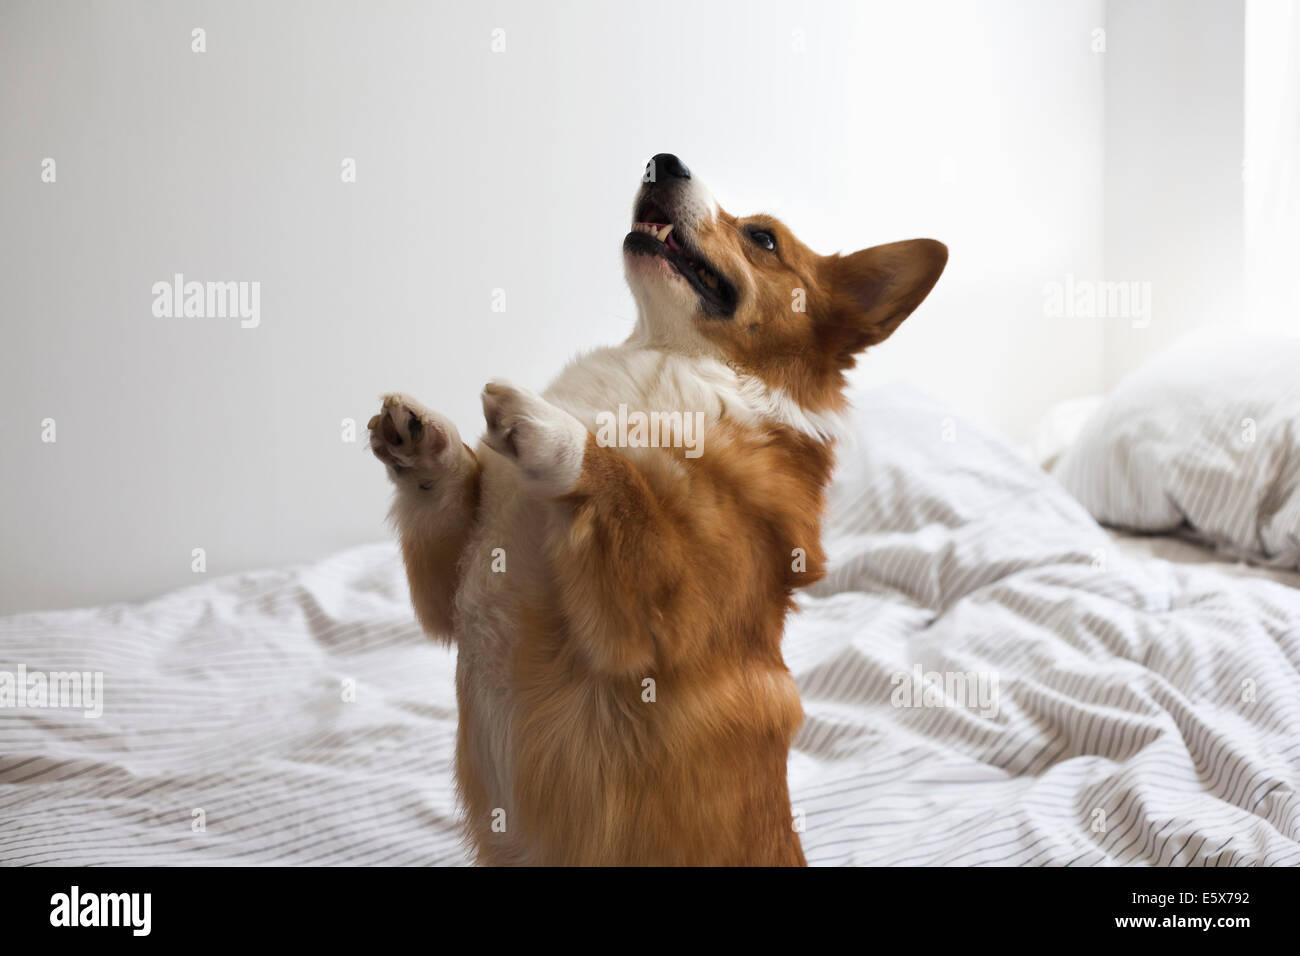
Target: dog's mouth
[{"x": 654, "y": 234}]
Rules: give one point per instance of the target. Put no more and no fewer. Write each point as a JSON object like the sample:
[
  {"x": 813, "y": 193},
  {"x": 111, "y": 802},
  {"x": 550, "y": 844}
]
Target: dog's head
[{"x": 744, "y": 289}]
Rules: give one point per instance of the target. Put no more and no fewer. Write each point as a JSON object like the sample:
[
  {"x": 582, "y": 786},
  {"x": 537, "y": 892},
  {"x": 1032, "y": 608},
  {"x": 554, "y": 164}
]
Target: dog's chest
[
  {"x": 505, "y": 571},
  {"x": 504, "y": 565}
]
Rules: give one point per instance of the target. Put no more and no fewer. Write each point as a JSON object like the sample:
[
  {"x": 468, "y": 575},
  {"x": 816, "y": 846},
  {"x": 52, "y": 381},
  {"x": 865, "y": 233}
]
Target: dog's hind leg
[{"x": 436, "y": 478}]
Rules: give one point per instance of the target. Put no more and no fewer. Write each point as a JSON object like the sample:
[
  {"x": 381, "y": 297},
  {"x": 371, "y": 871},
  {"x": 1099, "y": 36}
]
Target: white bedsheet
[{"x": 1147, "y": 712}]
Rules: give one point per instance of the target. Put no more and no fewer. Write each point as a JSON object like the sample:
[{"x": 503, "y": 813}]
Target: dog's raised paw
[
  {"x": 413, "y": 441},
  {"x": 546, "y": 442}
]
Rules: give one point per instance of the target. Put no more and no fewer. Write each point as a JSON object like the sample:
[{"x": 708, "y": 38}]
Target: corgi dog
[{"x": 616, "y": 587}]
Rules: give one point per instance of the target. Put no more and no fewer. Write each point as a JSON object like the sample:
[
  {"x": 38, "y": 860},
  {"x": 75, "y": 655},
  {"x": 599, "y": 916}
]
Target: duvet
[{"x": 987, "y": 680}]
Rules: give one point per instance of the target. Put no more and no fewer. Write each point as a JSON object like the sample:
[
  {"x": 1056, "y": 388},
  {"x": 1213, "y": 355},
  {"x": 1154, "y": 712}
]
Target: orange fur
[
  {"x": 714, "y": 742},
  {"x": 432, "y": 554}
]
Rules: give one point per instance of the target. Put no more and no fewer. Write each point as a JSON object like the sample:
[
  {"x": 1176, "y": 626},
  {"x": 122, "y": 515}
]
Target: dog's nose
[{"x": 668, "y": 165}]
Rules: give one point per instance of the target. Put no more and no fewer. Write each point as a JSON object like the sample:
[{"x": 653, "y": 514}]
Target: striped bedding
[
  {"x": 1203, "y": 441},
  {"x": 988, "y": 679}
]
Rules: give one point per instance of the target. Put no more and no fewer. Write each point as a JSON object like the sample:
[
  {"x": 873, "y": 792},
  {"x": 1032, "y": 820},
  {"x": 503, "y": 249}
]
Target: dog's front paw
[
  {"x": 546, "y": 442},
  {"x": 419, "y": 446}
]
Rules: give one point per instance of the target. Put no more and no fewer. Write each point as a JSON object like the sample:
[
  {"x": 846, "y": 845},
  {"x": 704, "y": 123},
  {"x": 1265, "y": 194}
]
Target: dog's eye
[{"x": 763, "y": 238}]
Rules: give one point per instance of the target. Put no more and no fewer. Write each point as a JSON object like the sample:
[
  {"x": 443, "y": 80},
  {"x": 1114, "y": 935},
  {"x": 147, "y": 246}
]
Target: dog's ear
[{"x": 874, "y": 290}]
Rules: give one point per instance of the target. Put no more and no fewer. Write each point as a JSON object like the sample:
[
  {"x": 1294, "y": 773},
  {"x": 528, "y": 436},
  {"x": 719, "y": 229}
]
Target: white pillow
[{"x": 1204, "y": 440}]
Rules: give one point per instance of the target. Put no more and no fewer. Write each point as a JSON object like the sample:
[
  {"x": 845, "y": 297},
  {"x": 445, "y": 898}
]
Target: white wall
[
  {"x": 980, "y": 124},
  {"x": 1272, "y": 180},
  {"x": 1174, "y": 153}
]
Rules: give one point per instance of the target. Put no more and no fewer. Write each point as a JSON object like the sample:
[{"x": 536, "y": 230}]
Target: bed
[{"x": 1127, "y": 699}]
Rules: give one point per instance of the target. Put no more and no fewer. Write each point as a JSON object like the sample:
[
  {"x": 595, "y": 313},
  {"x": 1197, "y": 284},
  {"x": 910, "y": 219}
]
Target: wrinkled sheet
[{"x": 1116, "y": 709}]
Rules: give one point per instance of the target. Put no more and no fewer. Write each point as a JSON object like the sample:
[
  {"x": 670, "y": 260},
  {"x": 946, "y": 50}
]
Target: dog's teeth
[{"x": 663, "y": 233}]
